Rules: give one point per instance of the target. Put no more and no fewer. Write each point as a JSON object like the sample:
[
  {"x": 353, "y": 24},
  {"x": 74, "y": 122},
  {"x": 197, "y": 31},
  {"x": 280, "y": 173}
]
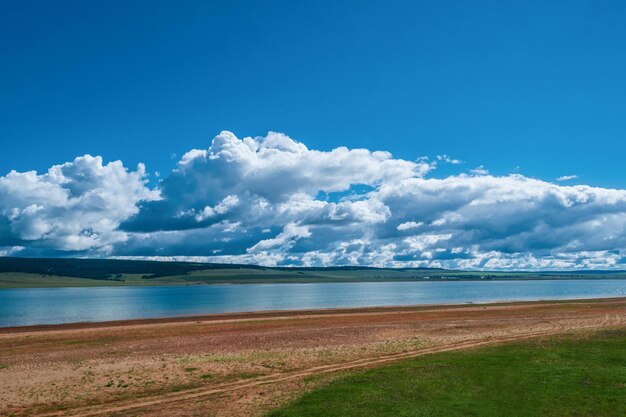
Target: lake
[{"x": 28, "y": 306}]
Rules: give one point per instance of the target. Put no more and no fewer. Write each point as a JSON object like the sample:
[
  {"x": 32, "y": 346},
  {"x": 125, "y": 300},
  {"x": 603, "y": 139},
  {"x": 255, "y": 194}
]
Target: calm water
[{"x": 20, "y": 307}]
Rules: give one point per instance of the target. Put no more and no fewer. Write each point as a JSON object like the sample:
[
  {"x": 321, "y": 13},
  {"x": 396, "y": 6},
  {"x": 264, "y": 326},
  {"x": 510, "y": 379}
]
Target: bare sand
[{"x": 245, "y": 364}]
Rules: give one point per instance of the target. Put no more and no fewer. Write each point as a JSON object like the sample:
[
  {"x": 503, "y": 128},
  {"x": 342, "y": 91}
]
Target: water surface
[{"x": 28, "y": 306}]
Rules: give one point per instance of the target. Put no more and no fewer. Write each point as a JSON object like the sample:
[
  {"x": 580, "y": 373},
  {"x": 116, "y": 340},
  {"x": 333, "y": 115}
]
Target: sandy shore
[{"x": 246, "y": 363}]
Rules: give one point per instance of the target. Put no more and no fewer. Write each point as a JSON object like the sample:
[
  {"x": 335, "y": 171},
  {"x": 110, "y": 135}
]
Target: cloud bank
[{"x": 271, "y": 200}]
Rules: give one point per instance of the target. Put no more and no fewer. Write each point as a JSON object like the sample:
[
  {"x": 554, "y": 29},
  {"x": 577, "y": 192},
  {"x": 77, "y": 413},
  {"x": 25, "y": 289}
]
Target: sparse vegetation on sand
[{"x": 582, "y": 375}]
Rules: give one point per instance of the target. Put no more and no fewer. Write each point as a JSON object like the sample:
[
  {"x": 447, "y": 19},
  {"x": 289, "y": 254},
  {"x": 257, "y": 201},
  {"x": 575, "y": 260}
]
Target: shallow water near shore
[{"x": 30, "y": 306}]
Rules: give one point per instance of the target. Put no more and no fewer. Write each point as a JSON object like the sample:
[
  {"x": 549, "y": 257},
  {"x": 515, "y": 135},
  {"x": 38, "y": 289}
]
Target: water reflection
[{"x": 63, "y": 305}]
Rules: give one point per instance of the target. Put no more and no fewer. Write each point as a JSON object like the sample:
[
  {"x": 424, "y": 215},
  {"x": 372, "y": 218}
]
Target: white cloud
[
  {"x": 409, "y": 225},
  {"x": 271, "y": 200},
  {"x": 275, "y": 167},
  {"x": 76, "y": 206},
  {"x": 481, "y": 170},
  {"x": 223, "y": 207},
  {"x": 286, "y": 239},
  {"x": 448, "y": 160},
  {"x": 567, "y": 178},
  {"x": 11, "y": 250}
]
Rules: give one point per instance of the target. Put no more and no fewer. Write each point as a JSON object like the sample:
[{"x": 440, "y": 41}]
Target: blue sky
[
  {"x": 448, "y": 134},
  {"x": 531, "y": 84}
]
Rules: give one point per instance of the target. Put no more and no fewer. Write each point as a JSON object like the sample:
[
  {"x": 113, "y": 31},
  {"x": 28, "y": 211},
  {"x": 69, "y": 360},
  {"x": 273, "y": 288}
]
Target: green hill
[{"x": 59, "y": 272}]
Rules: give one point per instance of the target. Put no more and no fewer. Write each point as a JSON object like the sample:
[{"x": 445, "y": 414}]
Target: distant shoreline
[
  {"x": 77, "y": 272},
  {"x": 21, "y": 280}
]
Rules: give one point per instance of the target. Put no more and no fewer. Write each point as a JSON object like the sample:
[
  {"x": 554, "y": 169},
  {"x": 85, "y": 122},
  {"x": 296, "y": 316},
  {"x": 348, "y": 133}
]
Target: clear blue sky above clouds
[{"x": 539, "y": 85}]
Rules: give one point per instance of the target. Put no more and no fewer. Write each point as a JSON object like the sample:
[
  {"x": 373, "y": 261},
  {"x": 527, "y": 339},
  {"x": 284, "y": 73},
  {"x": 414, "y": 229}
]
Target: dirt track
[{"x": 243, "y": 364}]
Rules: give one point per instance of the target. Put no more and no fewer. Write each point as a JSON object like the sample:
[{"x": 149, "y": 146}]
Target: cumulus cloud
[
  {"x": 409, "y": 225},
  {"x": 76, "y": 206},
  {"x": 271, "y": 200}
]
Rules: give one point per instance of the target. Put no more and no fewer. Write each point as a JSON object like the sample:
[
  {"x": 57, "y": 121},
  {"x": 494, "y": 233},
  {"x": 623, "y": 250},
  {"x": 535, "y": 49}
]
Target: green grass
[{"x": 573, "y": 376}]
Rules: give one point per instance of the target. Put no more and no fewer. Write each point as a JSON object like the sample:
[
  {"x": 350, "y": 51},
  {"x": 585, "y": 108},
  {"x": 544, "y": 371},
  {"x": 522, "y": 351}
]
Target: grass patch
[
  {"x": 180, "y": 387},
  {"x": 248, "y": 375},
  {"x": 565, "y": 376}
]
